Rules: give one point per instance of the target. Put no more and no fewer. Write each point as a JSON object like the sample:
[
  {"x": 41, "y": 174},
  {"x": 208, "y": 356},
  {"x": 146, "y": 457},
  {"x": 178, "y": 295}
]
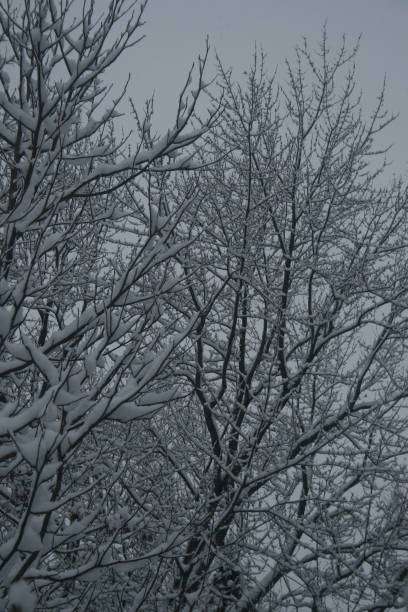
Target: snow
[
  {"x": 93, "y": 575},
  {"x": 17, "y": 350},
  {"x": 7, "y": 547},
  {"x": 50, "y": 242},
  {"x": 170, "y": 283},
  {"x": 26, "y": 416},
  {"x": 77, "y": 44},
  {"x": 17, "y": 113},
  {"x": 29, "y": 451},
  {"x": 31, "y": 540},
  {"x": 405, "y": 595},
  {"x": 156, "y": 398},
  {"x": 4, "y": 290},
  {"x": 7, "y": 135},
  {"x": 21, "y": 597},
  {"x": 49, "y": 471},
  {"x": 36, "y": 35},
  {"x": 5, "y": 321},
  {"x": 72, "y": 65},
  {"x": 42, "y": 362},
  {"x": 130, "y": 410},
  {"x": 120, "y": 329},
  {"x": 90, "y": 362},
  {"x": 5, "y": 77},
  {"x": 149, "y": 404}
]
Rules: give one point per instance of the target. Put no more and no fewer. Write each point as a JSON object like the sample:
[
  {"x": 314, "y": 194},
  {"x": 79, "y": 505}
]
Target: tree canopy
[{"x": 203, "y": 334}]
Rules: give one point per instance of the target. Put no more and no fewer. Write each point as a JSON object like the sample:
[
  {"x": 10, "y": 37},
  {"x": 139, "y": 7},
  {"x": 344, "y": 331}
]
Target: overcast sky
[{"x": 176, "y": 30}]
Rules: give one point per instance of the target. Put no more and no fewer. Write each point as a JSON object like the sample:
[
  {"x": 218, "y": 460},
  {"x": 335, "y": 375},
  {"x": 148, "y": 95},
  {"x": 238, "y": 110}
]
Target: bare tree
[
  {"x": 86, "y": 257},
  {"x": 290, "y": 448},
  {"x": 255, "y": 310}
]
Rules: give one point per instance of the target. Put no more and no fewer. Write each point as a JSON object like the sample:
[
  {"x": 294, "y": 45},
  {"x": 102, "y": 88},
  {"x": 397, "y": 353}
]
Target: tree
[
  {"x": 202, "y": 362},
  {"x": 85, "y": 261},
  {"x": 290, "y": 448}
]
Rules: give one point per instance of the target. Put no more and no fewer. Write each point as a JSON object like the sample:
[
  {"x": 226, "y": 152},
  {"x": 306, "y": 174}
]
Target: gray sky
[{"x": 176, "y": 30}]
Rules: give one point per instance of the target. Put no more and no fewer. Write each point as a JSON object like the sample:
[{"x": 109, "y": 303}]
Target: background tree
[
  {"x": 84, "y": 344},
  {"x": 290, "y": 448}
]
